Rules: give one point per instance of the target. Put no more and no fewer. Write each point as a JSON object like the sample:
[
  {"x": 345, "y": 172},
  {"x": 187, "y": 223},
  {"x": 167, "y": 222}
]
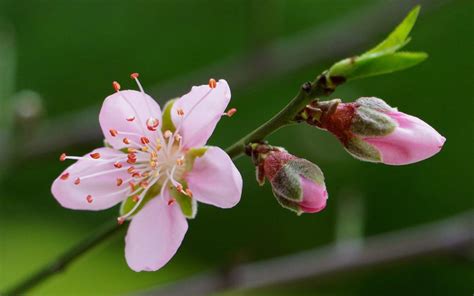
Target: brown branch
[{"x": 447, "y": 236}]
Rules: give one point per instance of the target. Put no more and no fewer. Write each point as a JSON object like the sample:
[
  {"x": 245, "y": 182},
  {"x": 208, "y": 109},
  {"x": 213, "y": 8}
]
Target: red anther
[
  {"x": 117, "y": 165},
  {"x": 189, "y": 192},
  {"x": 136, "y": 175},
  {"x": 144, "y": 184},
  {"x": 170, "y": 202},
  {"x": 131, "y": 118},
  {"x": 180, "y": 112},
  {"x": 126, "y": 141},
  {"x": 212, "y": 83},
  {"x": 89, "y": 198},
  {"x": 132, "y": 185},
  {"x": 144, "y": 140},
  {"x": 152, "y": 124},
  {"x": 131, "y": 169},
  {"x": 180, "y": 161},
  {"x": 95, "y": 155},
  {"x": 77, "y": 181},
  {"x": 179, "y": 187},
  {"x": 231, "y": 112},
  {"x": 64, "y": 176},
  {"x": 119, "y": 181},
  {"x": 135, "y": 198},
  {"x": 62, "y": 157},
  {"x": 132, "y": 155},
  {"x": 113, "y": 132},
  {"x": 134, "y": 75},
  {"x": 116, "y": 85},
  {"x": 131, "y": 160},
  {"x": 120, "y": 220}
]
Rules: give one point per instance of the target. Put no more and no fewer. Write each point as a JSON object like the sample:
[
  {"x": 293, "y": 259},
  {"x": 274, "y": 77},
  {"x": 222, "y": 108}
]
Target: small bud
[
  {"x": 371, "y": 130},
  {"x": 297, "y": 183}
]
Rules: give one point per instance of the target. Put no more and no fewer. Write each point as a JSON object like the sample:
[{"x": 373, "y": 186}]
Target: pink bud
[
  {"x": 412, "y": 140},
  {"x": 373, "y": 131},
  {"x": 297, "y": 183}
]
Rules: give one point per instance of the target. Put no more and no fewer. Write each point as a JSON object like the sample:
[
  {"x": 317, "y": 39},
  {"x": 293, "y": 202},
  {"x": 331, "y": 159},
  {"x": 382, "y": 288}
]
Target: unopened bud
[
  {"x": 371, "y": 130},
  {"x": 297, "y": 183}
]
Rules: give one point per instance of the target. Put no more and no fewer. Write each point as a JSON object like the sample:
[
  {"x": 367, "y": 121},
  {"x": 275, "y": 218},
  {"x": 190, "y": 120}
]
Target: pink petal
[
  {"x": 215, "y": 180},
  {"x": 412, "y": 141},
  {"x": 128, "y": 104},
  {"x": 102, "y": 189},
  {"x": 314, "y": 196},
  {"x": 203, "y": 108},
  {"x": 154, "y": 235}
]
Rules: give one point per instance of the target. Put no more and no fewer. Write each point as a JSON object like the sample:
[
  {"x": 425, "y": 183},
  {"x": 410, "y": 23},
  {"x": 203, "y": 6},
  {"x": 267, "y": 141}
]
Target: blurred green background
[{"x": 68, "y": 52}]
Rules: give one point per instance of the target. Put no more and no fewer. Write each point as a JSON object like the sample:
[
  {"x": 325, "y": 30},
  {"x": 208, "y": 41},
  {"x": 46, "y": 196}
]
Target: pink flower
[
  {"x": 157, "y": 165},
  {"x": 373, "y": 131},
  {"x": 297, "y": 183}
]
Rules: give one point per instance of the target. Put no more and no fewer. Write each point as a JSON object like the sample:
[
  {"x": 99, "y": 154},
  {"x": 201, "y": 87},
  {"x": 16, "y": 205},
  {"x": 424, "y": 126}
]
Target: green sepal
[
  {"x": 191, "y": 156},
  {"x": 187, "y": 204},
  {"x": 288, "y": 204},
  {"x": 375, "y": 104},
  {"x": 167, "y": 122},
  {"x": 287, "y": 181},
  {"x": 375, "y": 64},
  {"x": 363, "y": 150},
  {"x": 128, "y": 204},
  {"x": 368, "y": 122},
  {"x": 399, "y": 36}
]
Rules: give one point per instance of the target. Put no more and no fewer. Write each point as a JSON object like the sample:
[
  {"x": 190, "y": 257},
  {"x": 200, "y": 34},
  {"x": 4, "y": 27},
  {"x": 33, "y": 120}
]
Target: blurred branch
[
  {"x": 334, "y": 40},
  {"x": 63, "y": 261},
  {"x": 452, "y": 235}
]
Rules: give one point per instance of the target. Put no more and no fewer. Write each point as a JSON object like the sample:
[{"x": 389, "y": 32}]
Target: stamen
[
  {"x": 171, "y": 201},
  {"x": 95, "y": 155},
  {"x": 62, "y": 157},
  {"x": 144, "y": 149},
  {"x": 116, "y": 86},
  {"x": 167, "y": 134},
  {"x": 152, "y": 123},
  {"x": 134, "y": 75},
  {"x": 126, "y": 141},
  {"x": 136, "y": 175},
  {"x": 131, "y": 150},
  {"x": 89, "y": 198},
  {"x": 135, "y": 198},
  {"x": 133, "y": 186},
  {"x": 177, "y": 137},
  {"x": 212, "y": 83},
  {"x": 113, "y": 132},
  {"x": 180, "y": 112},
  {"x": 144, "y": 140},
  {"x": 64, "y": 176},
  {"x": 130, "y": 119},
  {"x": 118, "y": 165},
  {"x": 180, "y": 160},
  {"x": 230, "y": 112},
  {"x": 189, "y": 192},
  {"x": 77, "y": 181},
  {"x": 119, "y": 181},
  {"x": 144, "y": 184},
  {"x": 120, "y": 220},
  {"x": 131, "y": 169}
]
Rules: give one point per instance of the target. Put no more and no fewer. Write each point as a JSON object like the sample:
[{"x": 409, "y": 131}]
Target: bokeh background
[{"x": 57, "y": 61}]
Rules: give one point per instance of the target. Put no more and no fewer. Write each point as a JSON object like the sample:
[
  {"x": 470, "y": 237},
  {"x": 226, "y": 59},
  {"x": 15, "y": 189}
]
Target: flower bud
[
  {"x": 297, "y": 183},
  {"x": 371, "y": 130}
]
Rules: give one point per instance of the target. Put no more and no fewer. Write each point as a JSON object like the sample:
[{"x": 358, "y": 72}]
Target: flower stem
[
  {"x": 308, "y": 91},
  {"x": 63, "y": 261}
]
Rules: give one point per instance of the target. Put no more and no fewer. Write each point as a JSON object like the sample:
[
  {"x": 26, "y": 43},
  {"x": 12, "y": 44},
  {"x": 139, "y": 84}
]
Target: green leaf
[
  {"x": 399, "y": 37},
  {"x": 167, "y": 123},
  {"x": 188, "y": 204},
  {"x": 374, "y": 64}
]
